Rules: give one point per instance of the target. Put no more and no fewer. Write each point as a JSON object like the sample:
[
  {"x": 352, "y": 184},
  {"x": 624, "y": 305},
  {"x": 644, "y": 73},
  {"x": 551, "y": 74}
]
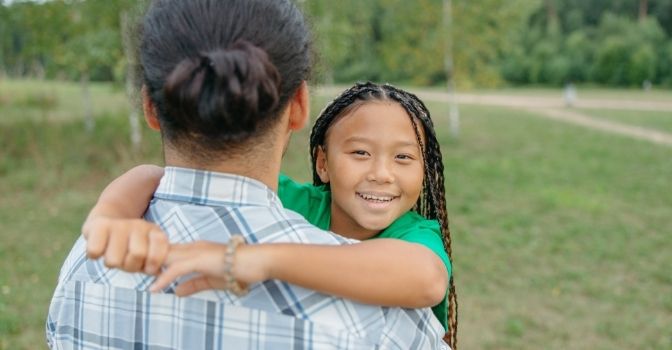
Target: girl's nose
[{"x": 381, "y": 173}]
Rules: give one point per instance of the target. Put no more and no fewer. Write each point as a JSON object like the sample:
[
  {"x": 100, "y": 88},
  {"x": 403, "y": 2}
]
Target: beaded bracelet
[{"x": 229, "y": 259}]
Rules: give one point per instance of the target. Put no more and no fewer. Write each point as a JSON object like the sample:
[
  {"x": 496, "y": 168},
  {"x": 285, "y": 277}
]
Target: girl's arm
[
  {"x": 380, "y": 271},
  {"x": 128, "y": 195},
  {"x": 113, "y": 228},
  {"x": 387, "y": 272}
]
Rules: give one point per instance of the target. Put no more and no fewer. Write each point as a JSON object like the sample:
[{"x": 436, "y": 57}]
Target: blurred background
[{"x": 555, "y": 119}]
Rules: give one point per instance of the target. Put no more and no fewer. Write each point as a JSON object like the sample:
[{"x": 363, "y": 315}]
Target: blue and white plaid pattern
[{"x": 95, "y": 307}]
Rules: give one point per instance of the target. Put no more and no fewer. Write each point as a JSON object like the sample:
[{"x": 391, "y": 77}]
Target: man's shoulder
[
  {"x": 259, "y": 224},
  {"x": 309, "y": 233}
]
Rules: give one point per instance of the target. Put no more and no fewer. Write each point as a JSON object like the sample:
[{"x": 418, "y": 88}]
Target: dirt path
[
  {"x": 573, "y": 117},
  {"x": 550, "y": 102},
  {"x": 554, "y": 108}
]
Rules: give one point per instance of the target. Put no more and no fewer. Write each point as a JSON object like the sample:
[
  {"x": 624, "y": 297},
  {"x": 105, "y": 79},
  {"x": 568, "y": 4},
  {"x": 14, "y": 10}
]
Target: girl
[{"x": 377, "y": 173}]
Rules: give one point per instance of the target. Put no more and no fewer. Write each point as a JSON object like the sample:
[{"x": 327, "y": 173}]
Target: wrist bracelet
[{"x": 229, "y": 260}]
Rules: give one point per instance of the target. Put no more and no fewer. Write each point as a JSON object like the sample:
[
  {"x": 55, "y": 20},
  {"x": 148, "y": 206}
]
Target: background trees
[{"x": 618, "y": 42}]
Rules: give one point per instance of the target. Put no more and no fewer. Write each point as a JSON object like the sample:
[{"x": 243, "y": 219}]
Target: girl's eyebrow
[
  {"x": 358, "y": 139},
  {"x": 362, "y": 139}
]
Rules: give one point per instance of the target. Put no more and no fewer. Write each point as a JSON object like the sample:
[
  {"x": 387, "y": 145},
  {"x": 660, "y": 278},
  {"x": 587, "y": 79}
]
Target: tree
[
  {"x": 93, "y": 46},
  {"x": 485, "y": 35}
]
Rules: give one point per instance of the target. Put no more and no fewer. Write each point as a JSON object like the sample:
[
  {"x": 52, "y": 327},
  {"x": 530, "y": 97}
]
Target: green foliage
[
  {"x": 484, "y": 36},
  {"x": 493, "y": 41},
  {"x": 617, "y": 51},
  {"x": 627, "y": 54},
  {"x": 345, "y": 39},
  {"x": 413, "y": 44},
  {"x": 62, "y": 38}
]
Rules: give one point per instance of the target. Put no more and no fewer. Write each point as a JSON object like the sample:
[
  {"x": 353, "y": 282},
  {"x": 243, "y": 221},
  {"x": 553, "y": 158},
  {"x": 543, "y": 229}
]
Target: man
[{"x": 225, "y": 85}]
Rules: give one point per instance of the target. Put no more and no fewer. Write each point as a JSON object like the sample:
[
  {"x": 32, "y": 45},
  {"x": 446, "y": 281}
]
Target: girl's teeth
[{"x": 375, "y": 198}]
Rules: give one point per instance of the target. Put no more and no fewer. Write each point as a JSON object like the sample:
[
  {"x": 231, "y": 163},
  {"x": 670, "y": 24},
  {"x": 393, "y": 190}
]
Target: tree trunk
[
  {"x": 89, "y": 122},
  {"x": 454, "y": 112},
  {"x": 643, "y": 9},
  {"x": 132, "y": 81},
  {"x": 551, "y": 17}
]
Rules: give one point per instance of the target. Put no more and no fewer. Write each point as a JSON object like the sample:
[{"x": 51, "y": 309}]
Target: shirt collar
[{"x": 212, "y": 188}]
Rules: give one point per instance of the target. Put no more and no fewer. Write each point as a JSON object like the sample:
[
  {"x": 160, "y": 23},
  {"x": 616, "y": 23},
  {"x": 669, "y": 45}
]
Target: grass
[
  {"x": 587, "y": 92},
  {"x": 560, "y": 233},
  {"x": 22, "y": 100},
  {"x": 583, "y": 92},
  {"x": 661, "y": 121}
]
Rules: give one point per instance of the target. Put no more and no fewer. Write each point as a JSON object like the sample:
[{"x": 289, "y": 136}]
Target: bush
[
  {"x": 611, "y": 62},
  {"x": 642, "y": 65}
]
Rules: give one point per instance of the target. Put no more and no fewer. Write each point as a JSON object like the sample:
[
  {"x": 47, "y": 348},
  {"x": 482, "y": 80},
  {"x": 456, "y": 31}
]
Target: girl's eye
[
  {"x": 360, "y": 152},
  {"x": 404, "y": 157}
]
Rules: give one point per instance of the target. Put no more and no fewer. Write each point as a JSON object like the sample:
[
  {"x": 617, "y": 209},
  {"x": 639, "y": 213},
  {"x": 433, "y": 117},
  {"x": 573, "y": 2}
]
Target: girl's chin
[{"x": 375, "y": 226}]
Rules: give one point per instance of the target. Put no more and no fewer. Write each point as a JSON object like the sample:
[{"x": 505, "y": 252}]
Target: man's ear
[
  {"x": 149, "y": 110},
  {"x": 299, "y": 108},
  {"x": 321, "y": 165}
]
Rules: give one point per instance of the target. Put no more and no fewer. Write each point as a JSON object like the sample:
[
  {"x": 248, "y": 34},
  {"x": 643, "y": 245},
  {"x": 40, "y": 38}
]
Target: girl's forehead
[
  {"x": 378, "y": 116},
  {"x": 362, "y": 109}
]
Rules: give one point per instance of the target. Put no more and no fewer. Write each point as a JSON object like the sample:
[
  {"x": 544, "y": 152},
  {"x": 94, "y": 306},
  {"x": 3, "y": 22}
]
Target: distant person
[
  {"x": 224, "y": 82},
  {"x": 374, "y": 152},
  {"x": 646, "y": 85},
  {"x": 570, "y": 94}
]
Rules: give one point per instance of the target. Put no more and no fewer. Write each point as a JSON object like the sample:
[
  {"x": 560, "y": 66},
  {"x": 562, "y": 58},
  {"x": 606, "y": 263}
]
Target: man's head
[{"x": 221, "y": 75}]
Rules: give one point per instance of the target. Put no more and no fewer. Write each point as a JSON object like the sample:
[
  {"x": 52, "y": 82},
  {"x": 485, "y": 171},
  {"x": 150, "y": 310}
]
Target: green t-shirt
[{"x": 314, "y": 203}]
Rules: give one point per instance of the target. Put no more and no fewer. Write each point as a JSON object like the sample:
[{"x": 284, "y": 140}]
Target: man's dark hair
[{"x": 220, "y": 71}]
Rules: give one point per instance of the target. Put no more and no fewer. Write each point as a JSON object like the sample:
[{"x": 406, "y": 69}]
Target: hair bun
[{"x": 232, "y": 88}]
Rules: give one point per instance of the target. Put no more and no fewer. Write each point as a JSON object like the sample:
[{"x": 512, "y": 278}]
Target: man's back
[{"x": 94, "y": 305}]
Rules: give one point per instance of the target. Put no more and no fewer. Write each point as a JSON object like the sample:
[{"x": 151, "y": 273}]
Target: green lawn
[
  {"x": 56, "y": 101},
  {"x": 582, "y": 91},
  {"x": 661, "y": 121},
  {"x": 561, "y": 234}
]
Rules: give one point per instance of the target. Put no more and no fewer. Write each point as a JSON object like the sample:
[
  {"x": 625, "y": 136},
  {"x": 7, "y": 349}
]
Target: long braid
[{"x": 432, "y": 202}]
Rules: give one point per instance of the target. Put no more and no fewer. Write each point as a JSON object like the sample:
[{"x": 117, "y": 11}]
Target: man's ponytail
[{"x": 225, "y": 88}]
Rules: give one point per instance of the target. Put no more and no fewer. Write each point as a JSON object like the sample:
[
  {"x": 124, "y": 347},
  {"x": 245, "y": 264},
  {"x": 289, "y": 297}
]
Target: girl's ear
[{"x": 321, "y": 165}]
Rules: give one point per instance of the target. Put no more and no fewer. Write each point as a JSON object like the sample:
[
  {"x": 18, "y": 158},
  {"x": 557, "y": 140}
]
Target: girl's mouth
[
  {"x": 376, "y": 201},
  {"x": 375, "y": 198}
]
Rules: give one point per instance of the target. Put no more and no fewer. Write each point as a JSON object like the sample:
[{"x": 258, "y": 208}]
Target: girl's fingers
[
  {"x": 138, "y": 242},
  {"x": 170, "y": 274},
  {"x": 198, "y": 284},
  {"x": 96, "y": 241},
  {"x": 157, "y": 253},
  {"x": 117, "y": 246}
]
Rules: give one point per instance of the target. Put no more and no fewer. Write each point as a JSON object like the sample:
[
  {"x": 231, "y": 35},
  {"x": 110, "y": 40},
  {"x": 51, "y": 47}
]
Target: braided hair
[{"x": 432, "y": 202}]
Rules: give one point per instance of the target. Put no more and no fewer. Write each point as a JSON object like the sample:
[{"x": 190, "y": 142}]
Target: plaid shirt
[{"x": 97, "y": 307}]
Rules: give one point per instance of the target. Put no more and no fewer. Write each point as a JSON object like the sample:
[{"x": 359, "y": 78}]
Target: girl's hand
[
  {"x": 250, "y": 265},
  {"x": 132, "y": 245}
]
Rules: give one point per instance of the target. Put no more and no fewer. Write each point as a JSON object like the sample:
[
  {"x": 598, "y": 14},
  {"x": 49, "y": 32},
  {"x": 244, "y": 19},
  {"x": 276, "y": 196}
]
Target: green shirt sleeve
[
  {"x": 412, "y": 227},
  {"x": 311, "y": 202}
]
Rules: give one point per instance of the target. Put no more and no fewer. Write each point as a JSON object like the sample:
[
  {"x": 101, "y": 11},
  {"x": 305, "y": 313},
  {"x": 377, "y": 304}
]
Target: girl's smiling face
[{"x": 374, "y": 166}]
